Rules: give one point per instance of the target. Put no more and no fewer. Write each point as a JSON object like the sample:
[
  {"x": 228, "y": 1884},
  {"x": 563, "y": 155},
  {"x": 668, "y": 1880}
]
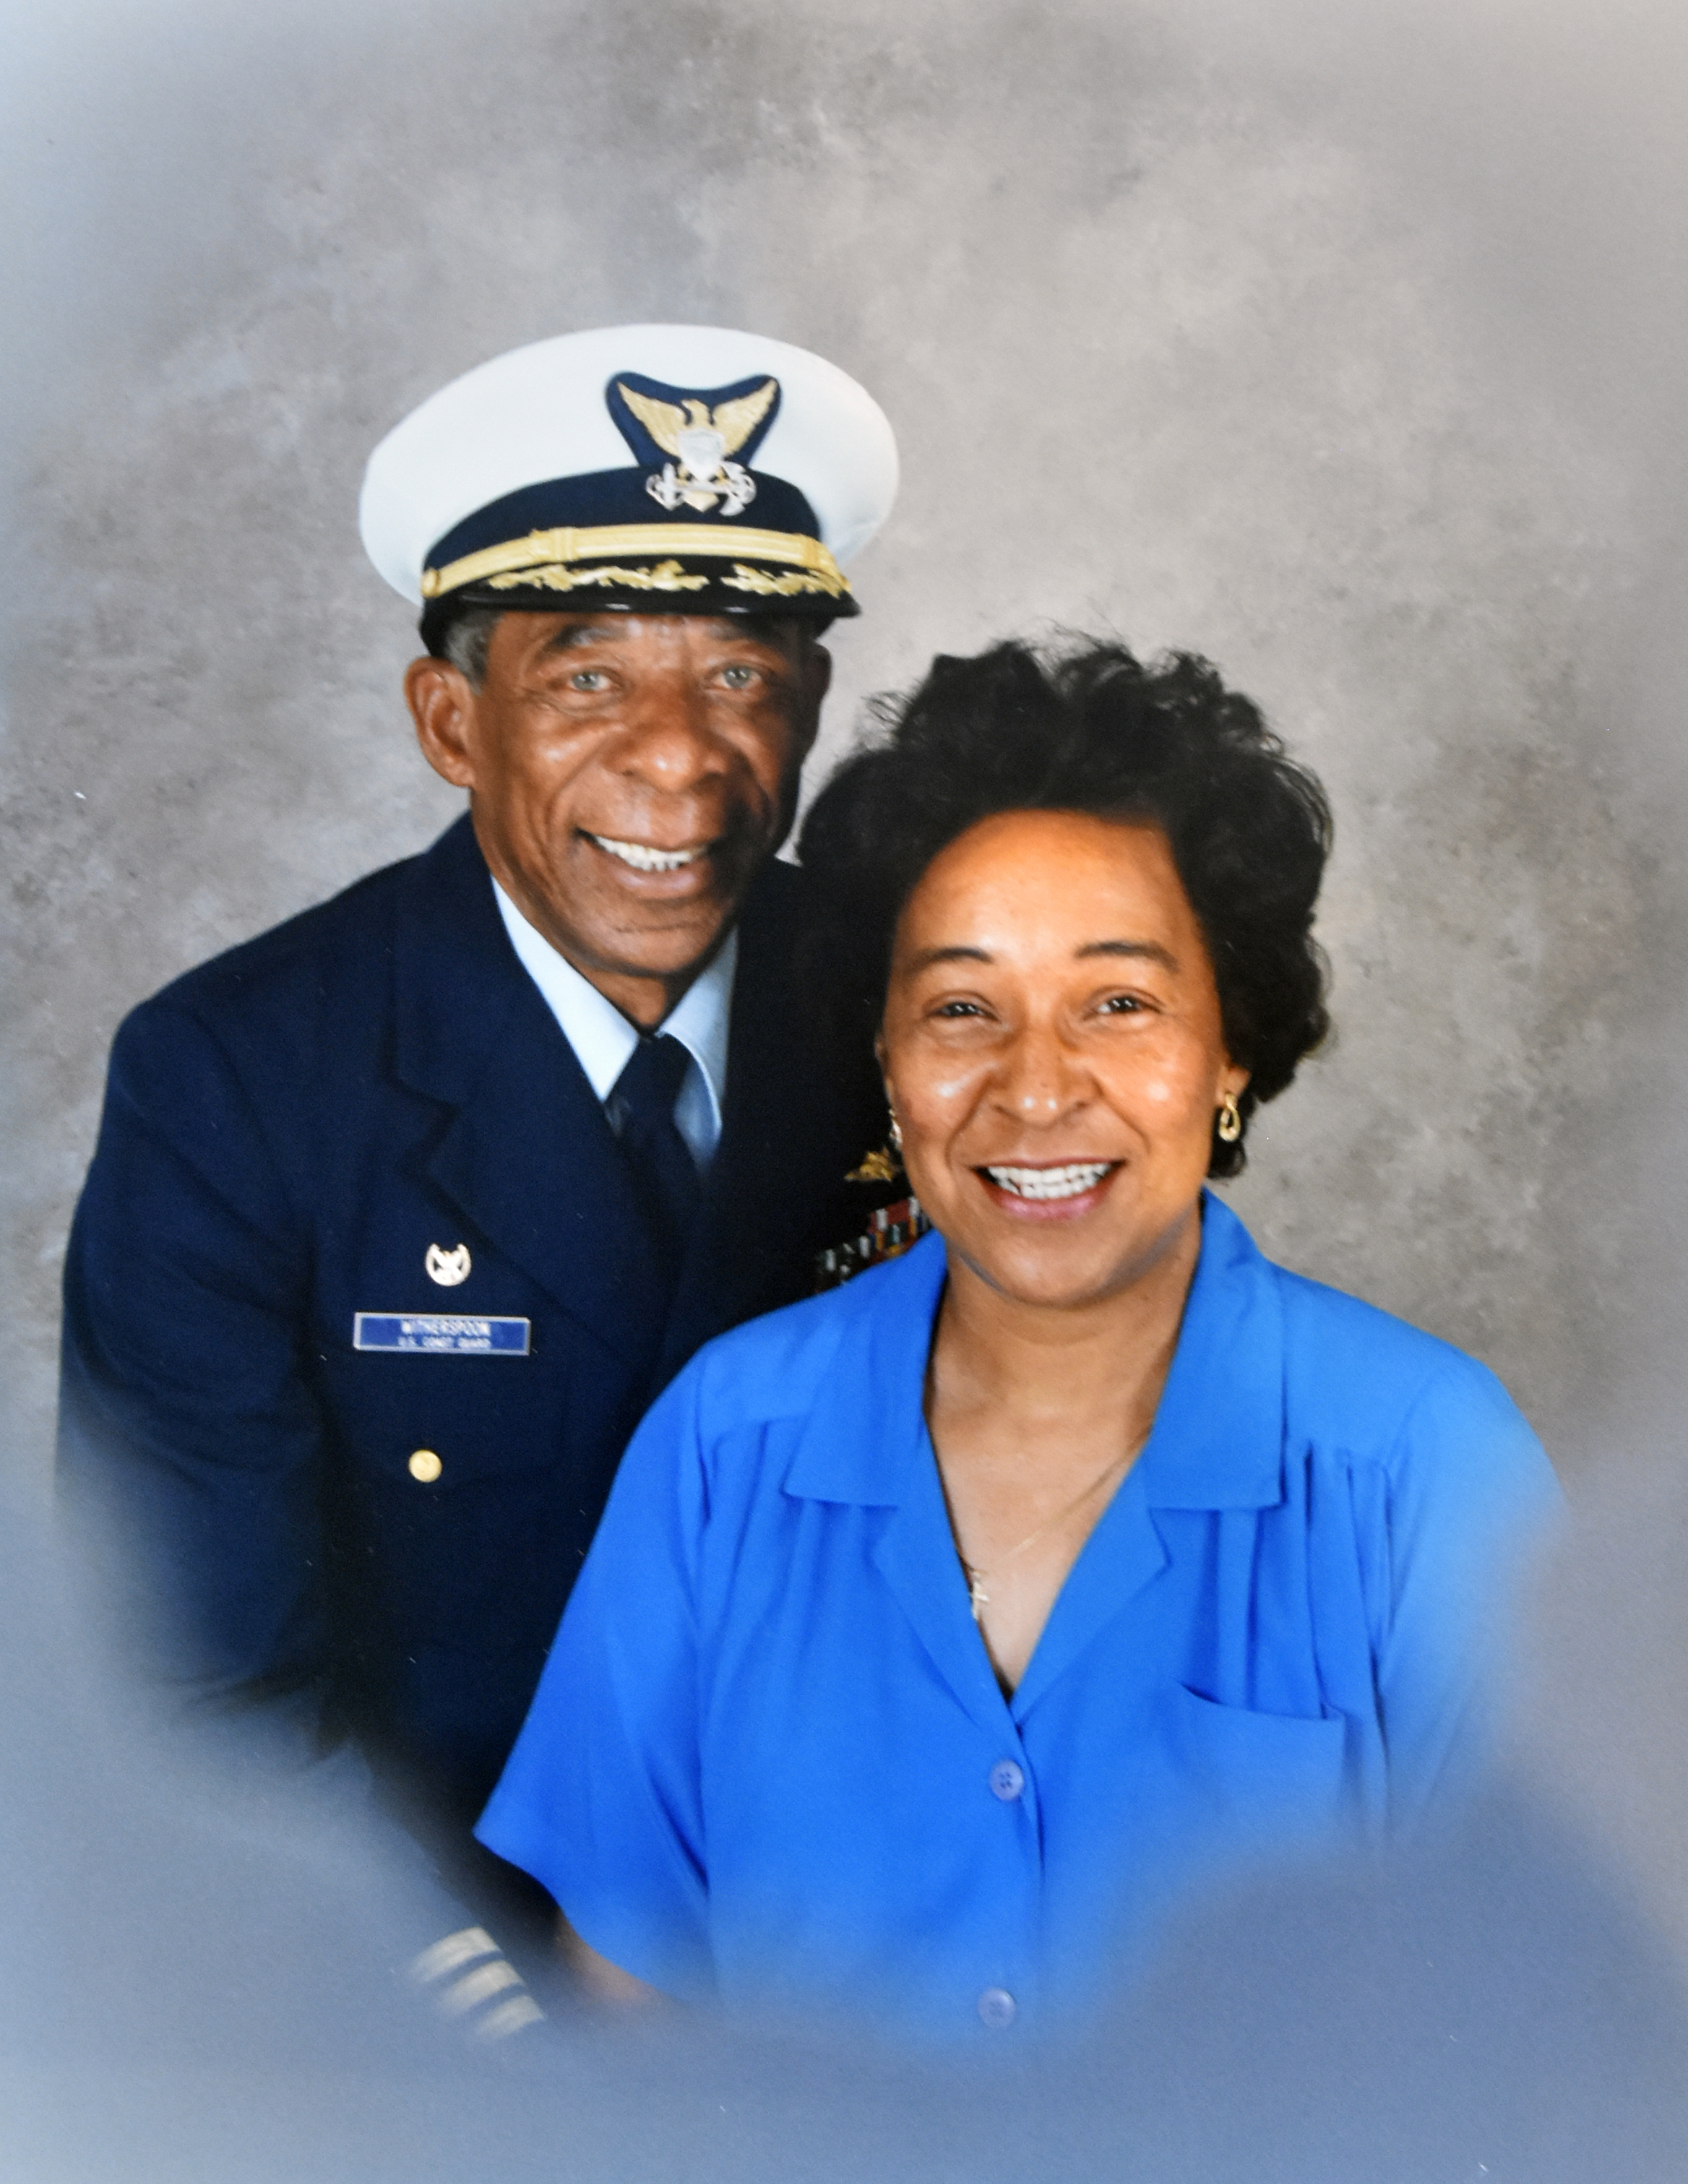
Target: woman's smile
[{"x": 1047, "y": 1191}]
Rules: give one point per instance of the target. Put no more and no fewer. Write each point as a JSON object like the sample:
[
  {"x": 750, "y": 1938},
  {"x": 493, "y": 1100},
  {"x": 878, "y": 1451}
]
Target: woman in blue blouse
[{"x": 941, "y": 1631}]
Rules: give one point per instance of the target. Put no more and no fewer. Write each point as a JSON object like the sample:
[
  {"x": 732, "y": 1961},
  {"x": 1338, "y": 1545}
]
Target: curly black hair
[{"x": 1091, "y": 729}]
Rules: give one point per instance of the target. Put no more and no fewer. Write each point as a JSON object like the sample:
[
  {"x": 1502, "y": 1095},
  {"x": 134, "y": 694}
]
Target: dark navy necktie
[{"x": 641, "y": 1112}]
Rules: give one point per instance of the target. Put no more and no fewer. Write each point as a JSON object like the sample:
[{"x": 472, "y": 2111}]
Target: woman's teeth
[
  {"x": 1050, "y": 1182},
  {"x": 644, "y": 860}
]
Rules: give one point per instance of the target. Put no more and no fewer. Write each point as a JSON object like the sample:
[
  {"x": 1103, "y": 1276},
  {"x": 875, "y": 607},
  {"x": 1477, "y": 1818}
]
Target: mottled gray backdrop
[{"x": 1342, "y": 343}]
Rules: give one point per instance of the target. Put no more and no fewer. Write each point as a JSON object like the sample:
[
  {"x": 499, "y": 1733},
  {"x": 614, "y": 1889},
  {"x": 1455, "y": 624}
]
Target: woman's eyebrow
[
  {"x": 928, "y": 956},
  {"x": 1150, "y": 948}
]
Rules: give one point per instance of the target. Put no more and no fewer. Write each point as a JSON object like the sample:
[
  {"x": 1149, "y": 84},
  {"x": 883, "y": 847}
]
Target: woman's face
[{"x": 1053, "y": 1052}]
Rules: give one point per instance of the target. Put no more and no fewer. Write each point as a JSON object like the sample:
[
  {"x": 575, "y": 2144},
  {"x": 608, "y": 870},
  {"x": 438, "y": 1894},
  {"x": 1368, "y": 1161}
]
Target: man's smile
[{"x": 645, "y": 857}]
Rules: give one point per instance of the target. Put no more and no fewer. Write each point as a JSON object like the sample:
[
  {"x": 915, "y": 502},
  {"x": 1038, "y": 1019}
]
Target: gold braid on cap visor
[{"x": 547, "y": 558}]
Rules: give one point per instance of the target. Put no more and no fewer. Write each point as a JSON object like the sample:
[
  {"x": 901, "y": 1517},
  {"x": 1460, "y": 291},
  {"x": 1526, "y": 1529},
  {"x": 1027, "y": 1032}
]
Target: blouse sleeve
[
  {"x": 1471, "y": 1497},
  {"x": 599, "y": 1800}
]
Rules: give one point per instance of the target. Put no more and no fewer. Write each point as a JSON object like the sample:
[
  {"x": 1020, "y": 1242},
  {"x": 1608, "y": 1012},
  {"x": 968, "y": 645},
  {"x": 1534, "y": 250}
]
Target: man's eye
[
  {"x": 738, "y": 678},
  {"x": 958, "y": 1009},
  {"x": 1121, "y": 1004},
  {"x": 588, "y": 679}
]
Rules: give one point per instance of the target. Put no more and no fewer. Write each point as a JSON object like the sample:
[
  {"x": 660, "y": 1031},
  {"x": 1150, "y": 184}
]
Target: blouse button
[
  {"x": 1007, "y": 1781},
  {"x": 996, "y": 2009}
]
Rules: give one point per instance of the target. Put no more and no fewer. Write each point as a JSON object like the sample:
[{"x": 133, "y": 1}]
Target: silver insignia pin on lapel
[{"x": 448, "y": 1268}]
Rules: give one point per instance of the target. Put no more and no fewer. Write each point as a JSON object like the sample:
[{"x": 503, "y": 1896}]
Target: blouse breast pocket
[{"x": 1265, "y": 1775}]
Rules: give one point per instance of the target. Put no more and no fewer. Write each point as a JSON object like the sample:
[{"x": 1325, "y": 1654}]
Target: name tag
[{"x": 441, "y": 1334}]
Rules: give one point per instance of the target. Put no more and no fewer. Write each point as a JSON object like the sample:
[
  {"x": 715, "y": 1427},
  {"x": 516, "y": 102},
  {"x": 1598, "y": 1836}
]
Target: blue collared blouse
[{"x": 769, "y": 1755}]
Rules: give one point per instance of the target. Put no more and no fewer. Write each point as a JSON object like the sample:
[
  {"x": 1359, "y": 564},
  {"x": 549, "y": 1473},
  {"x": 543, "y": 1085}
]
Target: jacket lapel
[
  {"x": 527, "y": 1155},
  {"x": 791, "y": 1121}
]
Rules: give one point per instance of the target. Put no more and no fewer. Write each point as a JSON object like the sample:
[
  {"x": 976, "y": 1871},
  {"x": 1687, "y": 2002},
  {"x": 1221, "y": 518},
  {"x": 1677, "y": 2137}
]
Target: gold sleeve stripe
[
  {"x": 479, "y": 1986},
  {"x": 568, "y": 544},
  {"x": 508, "y": 2017},
  {"x": 451, "y": 1954}
]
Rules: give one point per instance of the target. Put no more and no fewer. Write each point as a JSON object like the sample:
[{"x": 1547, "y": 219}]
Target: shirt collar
[
  {"x": 1219, "y": 1436},
  {"x": 1218, "y": 1440},
  {"x": 601, "y": 1036}
]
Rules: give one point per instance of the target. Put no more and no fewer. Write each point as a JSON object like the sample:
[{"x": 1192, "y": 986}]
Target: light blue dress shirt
[
  {"x": 769, "y": 1757},
  {"x": 603, "y": 1040}
]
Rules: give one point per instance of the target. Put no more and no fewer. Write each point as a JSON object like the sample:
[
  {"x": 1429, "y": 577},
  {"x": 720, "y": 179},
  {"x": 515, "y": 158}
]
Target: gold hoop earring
[{"x": 1229, "y": 1125}]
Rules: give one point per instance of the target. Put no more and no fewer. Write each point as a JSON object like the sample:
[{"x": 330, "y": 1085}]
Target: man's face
[{"x": 627, "y": 775}]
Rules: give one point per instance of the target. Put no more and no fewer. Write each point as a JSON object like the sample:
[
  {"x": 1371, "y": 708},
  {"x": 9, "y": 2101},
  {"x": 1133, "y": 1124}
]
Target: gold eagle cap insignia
[
  {"x": 733, "y": 421},
  {"x": 701, "y": 443}
]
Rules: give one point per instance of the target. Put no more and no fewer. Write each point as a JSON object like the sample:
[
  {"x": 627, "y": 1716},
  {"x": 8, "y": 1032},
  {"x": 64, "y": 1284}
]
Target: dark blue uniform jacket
[{"x": 286, "y": 1131}]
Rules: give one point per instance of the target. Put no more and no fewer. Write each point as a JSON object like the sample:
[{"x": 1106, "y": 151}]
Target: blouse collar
[{"x": 1218, "y": 1440}]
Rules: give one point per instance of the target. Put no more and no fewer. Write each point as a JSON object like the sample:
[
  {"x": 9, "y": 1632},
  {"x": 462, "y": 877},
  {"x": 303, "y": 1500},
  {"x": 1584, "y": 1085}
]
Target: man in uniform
[{"x": 401, "y": 1214}]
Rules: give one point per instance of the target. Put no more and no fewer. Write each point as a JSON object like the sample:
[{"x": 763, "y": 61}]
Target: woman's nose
[{"x": 1039, "y": 1080}]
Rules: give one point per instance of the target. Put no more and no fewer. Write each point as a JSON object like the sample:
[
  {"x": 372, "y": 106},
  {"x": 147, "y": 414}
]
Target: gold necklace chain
[{"x": 976, "y": 1578}]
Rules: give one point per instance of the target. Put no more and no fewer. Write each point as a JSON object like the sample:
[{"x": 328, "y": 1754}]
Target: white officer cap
[{"x": 658, "y": 469}]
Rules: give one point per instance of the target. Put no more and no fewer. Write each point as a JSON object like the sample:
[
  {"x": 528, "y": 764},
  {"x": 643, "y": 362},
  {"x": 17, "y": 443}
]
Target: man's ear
[
  {"x": 816, "y": 669},
  {"x": 443, "y": 706}
]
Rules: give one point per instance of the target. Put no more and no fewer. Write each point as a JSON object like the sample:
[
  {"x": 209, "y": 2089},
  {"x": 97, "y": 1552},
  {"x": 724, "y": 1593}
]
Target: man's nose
[{"x": 667, "y": 740}]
